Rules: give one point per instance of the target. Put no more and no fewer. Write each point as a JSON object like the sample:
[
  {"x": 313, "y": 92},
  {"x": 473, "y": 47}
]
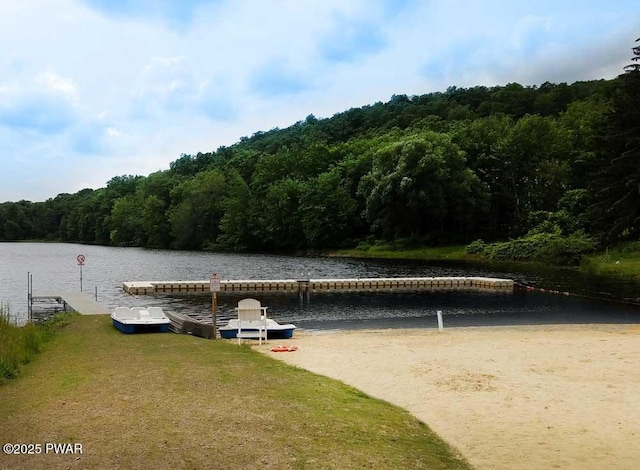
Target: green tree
[
  {"x": 155, "y": 194},
  {"x": 615, "y": 212},
  {"x": 484, "y": 142},
  {"x": 276, "y": 218},
  {"x": 327, "y": 211},
  {"x": 198, "y": 207},
  {"x": 414, "y": 186},
  {"x": 536, "y": 170},
  {"x": 236, "y": 226},
  {"x": 582, "y": 121},
  {"x": 126, "y": 222},
  {"x": 17, "y": 220},
  {"x": 156, "y": 226}
]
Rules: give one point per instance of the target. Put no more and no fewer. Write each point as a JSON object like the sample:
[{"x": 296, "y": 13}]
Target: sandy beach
[{"x": 526, "y": 397}]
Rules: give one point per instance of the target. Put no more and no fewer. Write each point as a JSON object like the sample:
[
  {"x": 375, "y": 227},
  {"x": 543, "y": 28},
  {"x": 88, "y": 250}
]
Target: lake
[{"x": 54, "y": 268}]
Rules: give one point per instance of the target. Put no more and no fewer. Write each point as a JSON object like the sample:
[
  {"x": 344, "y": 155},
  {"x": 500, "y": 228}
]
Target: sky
[{"x": 92, "y": 89}]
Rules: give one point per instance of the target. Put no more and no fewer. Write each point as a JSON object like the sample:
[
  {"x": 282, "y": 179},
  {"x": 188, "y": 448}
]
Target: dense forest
[{"x": 554, "y": 161}]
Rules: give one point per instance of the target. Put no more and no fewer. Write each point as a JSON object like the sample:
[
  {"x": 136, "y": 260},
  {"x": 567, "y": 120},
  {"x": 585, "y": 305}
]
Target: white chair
[{"x": 252, "y": 320}]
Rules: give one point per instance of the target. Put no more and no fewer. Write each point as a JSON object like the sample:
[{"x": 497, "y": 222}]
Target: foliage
[
  {"x": 547, "y": 247},
  {"x": 615, "y": 191},
  {"x": 19, "y": 345},
  {"x": 419, "y": 186},
  {"x": 453, "y": 166},
  {"x": 327, "y": 211},
  {"x": 477, "y": 247}
]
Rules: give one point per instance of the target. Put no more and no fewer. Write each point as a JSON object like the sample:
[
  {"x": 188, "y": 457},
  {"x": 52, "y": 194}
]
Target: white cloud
[
  {"x": 56, "y": 84},
  {"x": 115, "y": 88},
  {"x": 45, "y": 104}
]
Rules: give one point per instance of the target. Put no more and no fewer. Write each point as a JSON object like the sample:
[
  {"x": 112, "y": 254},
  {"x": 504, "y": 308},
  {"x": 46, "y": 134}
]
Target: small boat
[
  {"x": 274, "y": 329},
  {"x": 140, "y": 320}
]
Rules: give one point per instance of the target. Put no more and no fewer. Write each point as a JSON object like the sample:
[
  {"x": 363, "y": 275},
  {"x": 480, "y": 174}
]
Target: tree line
[{"x": 494, "y": 163}]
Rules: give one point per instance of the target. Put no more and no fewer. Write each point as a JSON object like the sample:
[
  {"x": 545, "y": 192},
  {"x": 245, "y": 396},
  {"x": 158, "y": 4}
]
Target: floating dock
[{"x": 325, "y": 285}]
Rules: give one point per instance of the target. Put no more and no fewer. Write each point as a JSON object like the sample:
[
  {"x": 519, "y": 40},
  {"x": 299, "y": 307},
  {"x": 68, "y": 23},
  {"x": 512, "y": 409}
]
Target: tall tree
[
  {"x": 197, "y": 210},
  {"x": 616, "y": 190},
  {"x": 236, "y": 224},
  {"x": 416, "y": 187},
  {"x": 327, "y": 211}
]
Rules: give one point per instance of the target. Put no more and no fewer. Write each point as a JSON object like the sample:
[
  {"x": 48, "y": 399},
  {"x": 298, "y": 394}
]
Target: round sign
[{"x": 80, "y": 259}]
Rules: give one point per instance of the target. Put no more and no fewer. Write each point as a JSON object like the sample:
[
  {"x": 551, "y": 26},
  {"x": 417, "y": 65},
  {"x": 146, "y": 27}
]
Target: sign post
[
  {"x": 81, "y": 259},
  {"x": 214, "y": 287}
]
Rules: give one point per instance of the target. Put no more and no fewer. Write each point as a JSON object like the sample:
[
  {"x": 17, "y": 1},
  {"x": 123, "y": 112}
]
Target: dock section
[
  {"x": 319, "y": 285},
  {"x": 78, "y": 302}
]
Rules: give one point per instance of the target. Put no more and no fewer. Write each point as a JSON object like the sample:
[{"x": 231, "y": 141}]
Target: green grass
[
  {"x": 19, "y": 345},
  {"x": 167, "y": 401},
  {"x": 455, "y": 252},
  {"x": 620, "y": 261}
]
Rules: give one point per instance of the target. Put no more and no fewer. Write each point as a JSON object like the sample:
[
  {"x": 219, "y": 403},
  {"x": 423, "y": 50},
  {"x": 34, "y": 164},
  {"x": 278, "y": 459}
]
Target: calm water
[{"x": 54, "y": 267}]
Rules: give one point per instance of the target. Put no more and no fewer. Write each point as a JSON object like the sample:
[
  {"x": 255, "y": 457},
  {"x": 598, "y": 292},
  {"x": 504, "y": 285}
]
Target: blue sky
[{"x": 91, "y": 89}]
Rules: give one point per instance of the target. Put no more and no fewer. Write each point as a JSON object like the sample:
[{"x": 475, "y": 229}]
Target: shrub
[
  {"x": 477, "y": 247},
  {"x": 567, "y": 250},
  {"x": 544, "y": 247}
]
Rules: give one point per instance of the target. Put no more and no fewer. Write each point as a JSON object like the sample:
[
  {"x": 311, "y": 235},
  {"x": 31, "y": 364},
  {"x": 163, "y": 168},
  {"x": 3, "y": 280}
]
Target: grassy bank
[
  {"x": 169, "y": 401},
  {"x": 455, "y": 252},
  {"x": 621, "y": 261},
  {"x": 19, "y": 345}
]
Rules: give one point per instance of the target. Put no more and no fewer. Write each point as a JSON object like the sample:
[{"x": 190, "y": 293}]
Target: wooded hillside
[{"x": 468, "y": 163}]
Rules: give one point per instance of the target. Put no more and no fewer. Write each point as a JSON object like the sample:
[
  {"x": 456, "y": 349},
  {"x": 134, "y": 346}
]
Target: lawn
[
  {"x": 168, "y": 401},
  {"x": 453, "y": 252},
  {"x": 621, "y": 261}
]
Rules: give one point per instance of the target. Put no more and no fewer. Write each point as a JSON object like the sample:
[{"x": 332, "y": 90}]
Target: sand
[{"x": 527, "y": 397}]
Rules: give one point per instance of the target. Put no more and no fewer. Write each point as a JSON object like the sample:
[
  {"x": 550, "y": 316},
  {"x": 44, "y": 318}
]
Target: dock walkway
[
  {"x": 73, "y": 301},
  {"x": 318, "y": 285}
]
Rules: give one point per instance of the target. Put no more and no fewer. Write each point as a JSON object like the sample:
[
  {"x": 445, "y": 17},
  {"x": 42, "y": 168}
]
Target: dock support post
[
  {"x": 303, "y": 288},
  {"x": 214, "y": 313},
  {"x": 440, "y": 323},
  {"x": 29, "y": 297}
]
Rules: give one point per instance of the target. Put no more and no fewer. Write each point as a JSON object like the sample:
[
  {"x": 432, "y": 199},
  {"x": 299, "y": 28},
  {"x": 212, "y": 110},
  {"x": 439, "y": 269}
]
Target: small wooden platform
[{"x": 73, "y": 301}]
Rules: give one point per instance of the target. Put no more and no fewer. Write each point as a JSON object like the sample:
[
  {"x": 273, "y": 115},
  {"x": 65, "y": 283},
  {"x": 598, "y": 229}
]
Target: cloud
[
  {"x": 102, "y": 88},
  {"x": 47, "y": 104},
  {"x": 173, "y": 85},
  {"x": 93, "y": 138},
  {"x": 175, "y": 13},
  {"x": 531, "y": 48},
  {"x": 351, "y": 39},
  {"x": 276, "y": 79}
]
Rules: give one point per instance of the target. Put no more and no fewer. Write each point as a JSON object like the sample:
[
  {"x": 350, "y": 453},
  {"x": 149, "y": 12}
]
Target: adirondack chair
[{"x": 252, "y": 320}]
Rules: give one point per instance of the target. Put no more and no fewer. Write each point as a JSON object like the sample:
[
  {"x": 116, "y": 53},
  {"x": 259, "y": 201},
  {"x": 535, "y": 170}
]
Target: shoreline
[{"x": 526, "y": 396}]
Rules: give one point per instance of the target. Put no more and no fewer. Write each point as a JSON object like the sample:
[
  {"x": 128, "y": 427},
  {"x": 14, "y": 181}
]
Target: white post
[{"x": 440, "y": 324}]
